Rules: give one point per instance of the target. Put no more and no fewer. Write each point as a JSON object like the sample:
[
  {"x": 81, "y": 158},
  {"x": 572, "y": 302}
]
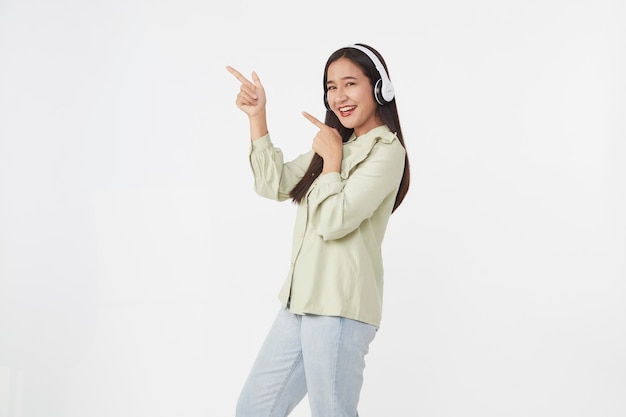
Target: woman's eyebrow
[{"x": 347, "y": 77}]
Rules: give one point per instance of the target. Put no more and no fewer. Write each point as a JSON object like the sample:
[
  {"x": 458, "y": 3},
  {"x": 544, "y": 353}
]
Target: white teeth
[{"x": 346, "y": 108}]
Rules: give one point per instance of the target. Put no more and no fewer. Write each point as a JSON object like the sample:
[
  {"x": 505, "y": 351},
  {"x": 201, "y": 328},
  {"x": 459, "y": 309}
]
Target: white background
[{"x": 139, "y": 271}]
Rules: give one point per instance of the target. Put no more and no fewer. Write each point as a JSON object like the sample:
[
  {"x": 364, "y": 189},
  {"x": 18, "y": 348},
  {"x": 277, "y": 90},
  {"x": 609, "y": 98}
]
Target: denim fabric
[{"x": 322, "y": 356}]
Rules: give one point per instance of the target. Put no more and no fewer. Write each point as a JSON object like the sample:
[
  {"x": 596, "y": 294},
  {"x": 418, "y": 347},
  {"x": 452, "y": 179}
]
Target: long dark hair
[{"x": 388, "y": 113}]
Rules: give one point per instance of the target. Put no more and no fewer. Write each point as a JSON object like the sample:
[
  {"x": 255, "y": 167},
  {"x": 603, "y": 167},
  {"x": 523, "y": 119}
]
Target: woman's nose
[{"x": 340, "y": 94}]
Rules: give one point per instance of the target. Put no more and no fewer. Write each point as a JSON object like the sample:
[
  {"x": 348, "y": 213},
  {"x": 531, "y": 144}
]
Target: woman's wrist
[
  {"x": 258, "y": 126},
  {"x": 333, "y": 165}
]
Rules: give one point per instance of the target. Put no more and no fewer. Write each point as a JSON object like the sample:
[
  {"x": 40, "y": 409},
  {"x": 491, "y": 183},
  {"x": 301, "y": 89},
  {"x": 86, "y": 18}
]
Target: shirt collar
[{"x": 382, "y": 133}]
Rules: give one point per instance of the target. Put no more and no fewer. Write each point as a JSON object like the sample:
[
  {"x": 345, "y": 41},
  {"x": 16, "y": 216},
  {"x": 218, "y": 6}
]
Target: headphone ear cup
[
  {"x": 382, "y": 89},
  {"x": 378, "y": 92}
]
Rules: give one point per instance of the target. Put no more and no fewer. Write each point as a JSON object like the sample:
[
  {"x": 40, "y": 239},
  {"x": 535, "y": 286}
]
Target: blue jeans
[{"x": 321, "y": 356}]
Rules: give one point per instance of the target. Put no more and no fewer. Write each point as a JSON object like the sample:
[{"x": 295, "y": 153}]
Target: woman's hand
[
  {"x": 251, "y": 98},
  {"x": 327, "y": 144}
]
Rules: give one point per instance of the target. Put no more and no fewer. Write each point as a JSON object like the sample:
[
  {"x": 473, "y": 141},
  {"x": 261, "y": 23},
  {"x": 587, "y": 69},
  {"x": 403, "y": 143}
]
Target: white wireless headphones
[{"x": 383, "y": 88}]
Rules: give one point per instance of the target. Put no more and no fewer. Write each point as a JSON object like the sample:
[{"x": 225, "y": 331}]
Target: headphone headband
[{"x": 386, "y": 87}]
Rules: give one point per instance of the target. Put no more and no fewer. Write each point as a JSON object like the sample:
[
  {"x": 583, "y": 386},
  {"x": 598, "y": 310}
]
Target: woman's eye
[{"x": 331, "y": 88}]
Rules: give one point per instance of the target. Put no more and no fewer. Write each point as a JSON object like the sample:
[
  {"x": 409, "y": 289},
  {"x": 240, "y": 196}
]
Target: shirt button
[{"x": 301, "y": 235}]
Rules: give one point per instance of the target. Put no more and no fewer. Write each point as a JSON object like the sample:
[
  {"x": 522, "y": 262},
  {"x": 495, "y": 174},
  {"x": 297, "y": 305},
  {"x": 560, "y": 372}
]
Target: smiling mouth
[{"x": 346, "y": 110}]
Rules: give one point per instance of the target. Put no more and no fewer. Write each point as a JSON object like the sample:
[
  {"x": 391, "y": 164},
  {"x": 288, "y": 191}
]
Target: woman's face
[{"x": 350, "y": 96}]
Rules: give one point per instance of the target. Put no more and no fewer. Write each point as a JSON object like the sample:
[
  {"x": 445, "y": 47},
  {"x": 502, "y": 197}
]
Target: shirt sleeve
[
  {"x": 274, "y": 178},
  {"x": 339, "y": 206}
]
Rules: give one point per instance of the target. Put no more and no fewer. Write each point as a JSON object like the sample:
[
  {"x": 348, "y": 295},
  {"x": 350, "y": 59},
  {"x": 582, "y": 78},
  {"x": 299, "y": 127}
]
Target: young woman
[{"x": 346, "y": 187}]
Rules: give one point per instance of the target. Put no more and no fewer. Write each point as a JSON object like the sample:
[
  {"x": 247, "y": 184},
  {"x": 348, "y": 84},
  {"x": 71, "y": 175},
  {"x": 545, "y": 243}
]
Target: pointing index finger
[
  {"x": 238, "y": 75},
  {"x": 313, "y": 120}
]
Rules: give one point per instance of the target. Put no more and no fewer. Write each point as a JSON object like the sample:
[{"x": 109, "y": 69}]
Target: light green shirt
[{"x": 336, "y": 263}]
